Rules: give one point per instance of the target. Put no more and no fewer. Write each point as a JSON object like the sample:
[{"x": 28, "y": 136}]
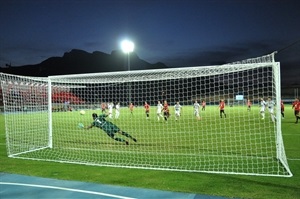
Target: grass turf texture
[{"x": 211, "y": 184}]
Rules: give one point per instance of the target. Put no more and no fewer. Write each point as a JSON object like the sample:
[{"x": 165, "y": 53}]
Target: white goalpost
[{"x": 44, "y": 116}]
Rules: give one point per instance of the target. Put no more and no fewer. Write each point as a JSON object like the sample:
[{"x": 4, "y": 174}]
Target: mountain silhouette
[{"x": 78, "y": 61}]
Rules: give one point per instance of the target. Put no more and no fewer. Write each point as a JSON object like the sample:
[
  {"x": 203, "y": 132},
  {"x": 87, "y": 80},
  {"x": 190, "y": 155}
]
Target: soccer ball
[
  {"x": 80, "y": 125},
  {"x": 82, "y": 112}
]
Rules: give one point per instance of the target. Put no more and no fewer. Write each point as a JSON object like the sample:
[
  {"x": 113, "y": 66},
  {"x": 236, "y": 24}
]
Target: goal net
[{"x": 44, "y": 118}]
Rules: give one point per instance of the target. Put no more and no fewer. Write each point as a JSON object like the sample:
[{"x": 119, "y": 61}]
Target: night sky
[{"x": 175, "y": 32}]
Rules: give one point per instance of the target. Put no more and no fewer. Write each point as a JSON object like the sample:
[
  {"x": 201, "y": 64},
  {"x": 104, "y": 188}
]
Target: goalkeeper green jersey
[{"x": 106, "y": 126}]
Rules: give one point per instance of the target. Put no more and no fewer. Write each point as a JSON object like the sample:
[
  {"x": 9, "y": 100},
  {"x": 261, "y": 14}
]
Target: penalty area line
[
  {"x": 67, "y": 189},
  {"x": 293, "y": 159}
]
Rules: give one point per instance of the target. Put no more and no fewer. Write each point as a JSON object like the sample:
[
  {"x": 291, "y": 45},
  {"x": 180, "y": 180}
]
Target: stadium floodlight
[{"x": 127, "y": 47}]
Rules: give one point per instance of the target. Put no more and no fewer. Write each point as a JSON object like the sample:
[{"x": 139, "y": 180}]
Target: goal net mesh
[{"x": 42, "y": 117}]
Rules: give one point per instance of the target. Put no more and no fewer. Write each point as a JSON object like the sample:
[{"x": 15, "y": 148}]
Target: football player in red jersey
[
  {"x": 222, "y": 108},
  {"x": 147, "y": 109},
  {"x": 296, "y": 107}
]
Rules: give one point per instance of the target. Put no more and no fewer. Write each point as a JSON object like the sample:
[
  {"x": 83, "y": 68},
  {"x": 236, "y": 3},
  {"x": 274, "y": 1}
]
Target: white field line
[
  {"x": 293, "y": 159},
  {"x": 66, "y": 189}
]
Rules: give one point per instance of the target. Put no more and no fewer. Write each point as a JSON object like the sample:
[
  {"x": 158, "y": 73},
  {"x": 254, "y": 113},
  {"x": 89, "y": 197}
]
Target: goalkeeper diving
[{"x": 109, "y": 128}]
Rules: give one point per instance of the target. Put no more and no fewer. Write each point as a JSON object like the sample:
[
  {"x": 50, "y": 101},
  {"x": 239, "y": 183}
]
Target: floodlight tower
[{"x": 128, "y": 47}]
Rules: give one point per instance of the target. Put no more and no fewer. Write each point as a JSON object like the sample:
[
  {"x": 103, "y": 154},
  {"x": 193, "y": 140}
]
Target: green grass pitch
[{"x": 194, "y": 143}]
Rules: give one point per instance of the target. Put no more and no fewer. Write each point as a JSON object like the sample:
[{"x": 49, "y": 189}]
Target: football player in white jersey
[
  {"x": 262, "y": 108},
  {"x": 196, "y": 110},
  {"x": 110, "y": 109},
  {"x": 159, "y": 108},
  {"x": 271, "y": 105},
  {"x": 117, "y": 112},
  {"x": 177, "y": 108}
]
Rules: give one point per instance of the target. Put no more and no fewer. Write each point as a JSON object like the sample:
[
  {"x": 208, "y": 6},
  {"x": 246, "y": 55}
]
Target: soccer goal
[{"x": 44, "y": 119}]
